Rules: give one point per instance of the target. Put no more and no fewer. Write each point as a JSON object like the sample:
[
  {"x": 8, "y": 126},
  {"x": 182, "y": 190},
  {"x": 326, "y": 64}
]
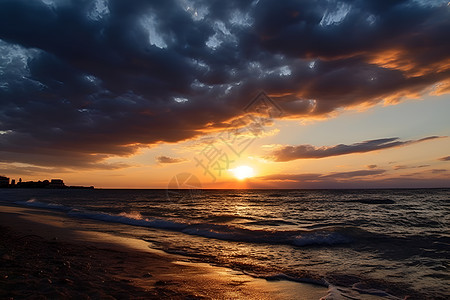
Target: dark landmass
[{"x": 46, "y": 184}]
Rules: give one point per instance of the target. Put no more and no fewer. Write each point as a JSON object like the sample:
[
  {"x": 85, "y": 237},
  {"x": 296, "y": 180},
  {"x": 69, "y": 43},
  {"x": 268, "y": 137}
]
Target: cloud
[
  {"x": 439, "y": 171},
  {"x": 169, "y": 160},
  {"x": 291, "y": 177},
  {"x": 315, "y": 177},
  {"x": 354, "y": 179},
  {"x": 371, "y": 166},
  {"x": 353, "y": 174},
  {"x": 288, "y": 153},
  {"x": 29, "y": 170},
  {"x": 87, "y": 81},
  {"x": 67, "y": 158},
  {"x": 403, "y": 167},
  {"x": 446, "y": 158}
]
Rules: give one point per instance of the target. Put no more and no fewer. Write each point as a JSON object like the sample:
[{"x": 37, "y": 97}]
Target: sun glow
[{"x": 243, "y": 172}]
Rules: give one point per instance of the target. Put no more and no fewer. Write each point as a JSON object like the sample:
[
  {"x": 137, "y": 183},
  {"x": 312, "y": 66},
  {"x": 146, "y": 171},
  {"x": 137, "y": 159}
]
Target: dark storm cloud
[
  {"x": 288, "y": 153},
  {"x": 81, "y": 81},
  {"x": 446, "y": 158},
  {"x": 169, "y": 160}
]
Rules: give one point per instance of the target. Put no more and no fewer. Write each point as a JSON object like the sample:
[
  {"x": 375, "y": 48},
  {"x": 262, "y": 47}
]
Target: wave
[
  {"x": 322, "y": 238},
  {"x": 35, "y": 203},
  {"x": 333, "y": 235},
  {"x": 224, "y": 218},
  {"x": 372, "y": 201},
  {"x": 339, "y": 292},
  {"x": 276, "y": 195},
  {"x": 273, "y": 222},
  {"x": 282, "y": 276},
  {"x": 134, "y": 218},
  {"x": 225, "y": 232}
]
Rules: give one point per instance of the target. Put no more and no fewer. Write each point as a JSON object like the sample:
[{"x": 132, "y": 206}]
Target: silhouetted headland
[{"x": 46, "y": 184}]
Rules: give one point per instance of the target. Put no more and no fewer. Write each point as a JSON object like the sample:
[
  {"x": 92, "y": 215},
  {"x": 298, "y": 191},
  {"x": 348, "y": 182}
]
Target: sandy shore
[{"x": 48, "y": 255}]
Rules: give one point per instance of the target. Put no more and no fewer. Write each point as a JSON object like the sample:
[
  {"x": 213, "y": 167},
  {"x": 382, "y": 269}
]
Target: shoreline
[{"x": 51, "y": 255}]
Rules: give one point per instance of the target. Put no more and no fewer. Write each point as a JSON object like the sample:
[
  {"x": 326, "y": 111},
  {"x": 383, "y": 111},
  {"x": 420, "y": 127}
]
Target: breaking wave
[
  {"x": 300, "y": 238},
  {"x": 35, "y": 203}
]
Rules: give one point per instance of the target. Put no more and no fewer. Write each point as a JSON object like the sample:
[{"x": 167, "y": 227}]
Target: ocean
[{"x": 388, "y": 244}]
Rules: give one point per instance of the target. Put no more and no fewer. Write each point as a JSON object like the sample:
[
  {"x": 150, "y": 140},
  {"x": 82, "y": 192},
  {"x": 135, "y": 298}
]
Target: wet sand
[{"x": 46, "y": 255}]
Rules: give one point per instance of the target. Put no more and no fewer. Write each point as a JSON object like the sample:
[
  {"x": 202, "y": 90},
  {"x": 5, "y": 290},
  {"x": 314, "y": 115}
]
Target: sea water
[{"x": 389, "y": 243}]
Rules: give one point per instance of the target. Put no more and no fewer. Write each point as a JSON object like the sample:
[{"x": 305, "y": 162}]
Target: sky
[{"x": 289, "y": 94}]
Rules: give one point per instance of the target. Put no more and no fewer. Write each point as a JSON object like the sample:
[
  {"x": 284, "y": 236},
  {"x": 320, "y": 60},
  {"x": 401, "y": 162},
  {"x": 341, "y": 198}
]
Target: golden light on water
[{"x": 243, "y": 172}]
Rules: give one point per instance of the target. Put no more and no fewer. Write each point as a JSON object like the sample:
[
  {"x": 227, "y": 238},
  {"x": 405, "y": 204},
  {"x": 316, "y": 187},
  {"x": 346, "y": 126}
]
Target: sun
[{"x": 243, "y": 172}]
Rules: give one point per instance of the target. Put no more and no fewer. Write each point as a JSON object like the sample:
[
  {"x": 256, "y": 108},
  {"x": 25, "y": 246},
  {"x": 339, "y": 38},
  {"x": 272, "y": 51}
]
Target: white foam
[
  {"x": 134, "y": 219},
  {"x": 320, "y": 238},
  {"x": 35, "y": 203}
]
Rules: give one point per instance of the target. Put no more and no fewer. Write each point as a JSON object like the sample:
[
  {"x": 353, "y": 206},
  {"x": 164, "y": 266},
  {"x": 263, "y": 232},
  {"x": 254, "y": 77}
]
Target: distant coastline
[{"x": 45, "y": 184}]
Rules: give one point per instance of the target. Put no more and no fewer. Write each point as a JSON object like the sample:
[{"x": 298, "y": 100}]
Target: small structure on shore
[
  {"x": 56, "y": 183},
  {"x": 4, "y": 181}
]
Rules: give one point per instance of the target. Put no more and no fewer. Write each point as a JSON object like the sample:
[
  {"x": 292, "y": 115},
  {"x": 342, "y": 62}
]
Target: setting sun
[{"x": 243, "y": 172}]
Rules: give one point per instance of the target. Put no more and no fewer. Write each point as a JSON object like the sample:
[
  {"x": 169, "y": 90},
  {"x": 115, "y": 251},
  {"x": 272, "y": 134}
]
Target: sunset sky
[{"x": 302, "y": 94}]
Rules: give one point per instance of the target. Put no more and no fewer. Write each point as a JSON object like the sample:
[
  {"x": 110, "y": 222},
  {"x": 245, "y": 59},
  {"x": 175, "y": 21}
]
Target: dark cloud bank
[{"x": 83, "y": 80}]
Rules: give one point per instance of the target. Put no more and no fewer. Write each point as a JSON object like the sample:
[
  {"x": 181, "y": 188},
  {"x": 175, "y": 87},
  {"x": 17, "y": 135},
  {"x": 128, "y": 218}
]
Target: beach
[
  {"x": 224, "y": 244},
  {"x": 47, "y": 255}
]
